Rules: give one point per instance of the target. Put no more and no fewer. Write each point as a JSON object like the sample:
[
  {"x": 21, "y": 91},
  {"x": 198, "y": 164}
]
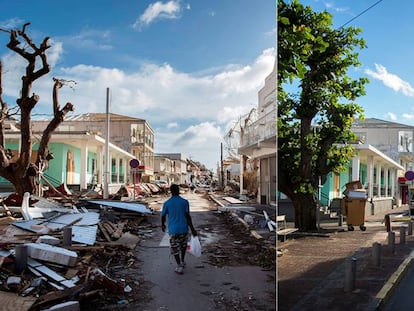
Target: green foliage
[{"x": 316, "y": 96}]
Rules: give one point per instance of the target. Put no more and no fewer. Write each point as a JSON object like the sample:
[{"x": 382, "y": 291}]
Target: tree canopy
[{"x": 316, "y": 103}]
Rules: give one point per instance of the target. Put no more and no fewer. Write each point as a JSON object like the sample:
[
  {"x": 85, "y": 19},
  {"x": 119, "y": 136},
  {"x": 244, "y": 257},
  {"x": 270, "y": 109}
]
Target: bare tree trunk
[
  {"x": 21, "y": 172},
  {"x": 43, "y": 155},
  {"x": 305, "y": 211}
]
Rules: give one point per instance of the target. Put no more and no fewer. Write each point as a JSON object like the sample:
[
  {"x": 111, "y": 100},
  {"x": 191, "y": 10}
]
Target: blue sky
[
  {"x": 190, "y": 68},
  {"x": 387, "y": 61}
]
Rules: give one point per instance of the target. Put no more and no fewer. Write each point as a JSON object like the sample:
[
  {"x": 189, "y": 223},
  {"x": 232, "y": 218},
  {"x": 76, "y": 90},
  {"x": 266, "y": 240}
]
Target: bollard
[
  {"x": 350, "y": 274},
  {"x": 387, "y": 222},
  {"x": 340, "y": 220},
  {"x": 391, "y": 241},
  {"x": 402, "y": 235},
  {"x": 67, "y": 236},
  {"x": 376, "y": 254},
  {"x": 21, "y": 259},
  {"x": 410, "y": 228}
]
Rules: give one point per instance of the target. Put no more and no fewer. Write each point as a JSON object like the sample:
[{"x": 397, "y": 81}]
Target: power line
[{"x": 366, "y": 10}]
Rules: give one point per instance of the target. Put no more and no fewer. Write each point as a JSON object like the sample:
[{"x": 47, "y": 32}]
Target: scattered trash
[{"x": 35, "y": 261}]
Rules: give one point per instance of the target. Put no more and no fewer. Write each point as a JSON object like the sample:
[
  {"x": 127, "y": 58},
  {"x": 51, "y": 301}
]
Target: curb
[{"x": 385, "y": 292}]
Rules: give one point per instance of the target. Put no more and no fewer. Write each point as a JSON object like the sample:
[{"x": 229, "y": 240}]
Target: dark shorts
[{"x": 178, "y": 242}]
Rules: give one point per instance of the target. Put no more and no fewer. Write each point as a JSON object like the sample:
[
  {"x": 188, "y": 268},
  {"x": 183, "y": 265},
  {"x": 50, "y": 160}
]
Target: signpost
[
  {"x": 134, "y": 163},
  {"x": 409, "y": 175}
]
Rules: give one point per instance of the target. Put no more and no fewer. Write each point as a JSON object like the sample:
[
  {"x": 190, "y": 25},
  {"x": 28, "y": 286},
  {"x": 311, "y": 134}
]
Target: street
[
  {"x": 203, "y": 286},
  {"x": 402, "y": 298}
]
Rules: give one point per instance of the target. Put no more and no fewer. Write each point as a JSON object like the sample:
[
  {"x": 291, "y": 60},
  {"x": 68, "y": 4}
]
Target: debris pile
[
  {"x": 70, "y": 256},
  {"x": 252, "y": 249}
]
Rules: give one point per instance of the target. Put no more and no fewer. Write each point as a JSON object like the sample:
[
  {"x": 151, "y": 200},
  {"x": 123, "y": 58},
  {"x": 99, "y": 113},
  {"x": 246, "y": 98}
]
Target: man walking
[{"x": 178, "y": 211}]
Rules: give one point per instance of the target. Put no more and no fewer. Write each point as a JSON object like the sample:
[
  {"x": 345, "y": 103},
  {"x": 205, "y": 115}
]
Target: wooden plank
[
  {"x": 255, "y": 234},
  {"x": 51, "y": 253},
  {"x": 12, "y": 301},
  {"x": 286, "y": 231},
  {"x": 232, "y": 200},
  {"x": 119, "y": 229}
]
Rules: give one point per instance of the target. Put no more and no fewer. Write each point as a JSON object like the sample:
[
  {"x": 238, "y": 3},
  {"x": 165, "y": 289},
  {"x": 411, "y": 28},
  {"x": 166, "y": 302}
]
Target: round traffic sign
[
  {"x": 409, "y": 175},
  {"x": 134, "y": 163}
]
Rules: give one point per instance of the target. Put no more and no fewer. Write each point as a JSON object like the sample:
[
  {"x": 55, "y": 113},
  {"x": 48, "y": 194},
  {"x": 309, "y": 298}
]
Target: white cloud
[
  {"x": 90, "y": 39},
  {"x": 408, "y": 116},
  {"x": 189, "y": 112},
  {"x": 172, "y": 125},
  {"x": 12, "y": 23},
  {"x": 391, "y": 80},
  {"x": 198, "y": 134},
  {"x": 392, "y": 116},
  {"x": 201, "y": 142},
  {"x": 159, "y": 10}
]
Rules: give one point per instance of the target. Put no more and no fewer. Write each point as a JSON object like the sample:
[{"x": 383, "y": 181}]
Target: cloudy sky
[
  {"x": 387, "y": 62},
  {"x": 190, "y": 68}
]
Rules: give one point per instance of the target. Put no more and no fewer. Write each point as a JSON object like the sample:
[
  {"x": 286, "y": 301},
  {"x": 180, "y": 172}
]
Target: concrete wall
[{"x": 381, "y": 206}]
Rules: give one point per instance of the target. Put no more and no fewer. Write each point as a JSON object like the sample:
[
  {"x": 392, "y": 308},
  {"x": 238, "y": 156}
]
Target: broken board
[{"x": 135, "y": 207}]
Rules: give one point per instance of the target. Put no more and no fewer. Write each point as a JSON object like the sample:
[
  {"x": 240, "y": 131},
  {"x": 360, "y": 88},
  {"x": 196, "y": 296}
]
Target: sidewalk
[{"x": 311, "y": 271}]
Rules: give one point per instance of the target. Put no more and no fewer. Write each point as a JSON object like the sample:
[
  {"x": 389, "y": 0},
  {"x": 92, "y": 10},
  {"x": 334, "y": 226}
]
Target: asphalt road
[
  {"x": 402, "y": 298},
  {"x": 203, "y": 286}
]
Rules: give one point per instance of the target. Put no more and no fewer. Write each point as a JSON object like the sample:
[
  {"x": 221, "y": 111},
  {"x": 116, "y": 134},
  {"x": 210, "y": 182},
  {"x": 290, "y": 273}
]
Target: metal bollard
[
  {"x": 402, "y": 235},
  {"x": 67, "y": 236},
  {"x": 391, "y": 241},
  {"x": 410, "y": 228},
  {"x": 350, "y": 274},
  {"x": 376, "y": 254},
  {"x": 340, "y": 220},
  {"x": 20, "y": 259},
  {"x": 387, "y": 221}
]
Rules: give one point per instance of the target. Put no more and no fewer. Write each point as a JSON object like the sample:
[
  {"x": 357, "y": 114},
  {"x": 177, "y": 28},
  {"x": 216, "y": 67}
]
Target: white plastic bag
[{"x": 194, "y": 246}]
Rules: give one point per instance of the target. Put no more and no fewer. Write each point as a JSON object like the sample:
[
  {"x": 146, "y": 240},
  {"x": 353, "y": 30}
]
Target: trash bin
[
  {"x": 353, "y": 205},
  {"x": 354, "y": 209}
]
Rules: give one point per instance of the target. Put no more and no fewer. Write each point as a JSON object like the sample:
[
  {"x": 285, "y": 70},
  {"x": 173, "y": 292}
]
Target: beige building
[
  {"x": 171, "y": 167},
  {"x": 394, "y": 140}
]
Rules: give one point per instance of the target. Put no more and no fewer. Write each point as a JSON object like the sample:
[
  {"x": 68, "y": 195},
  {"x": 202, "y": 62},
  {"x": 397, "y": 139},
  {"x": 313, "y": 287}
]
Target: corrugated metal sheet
[
  {"x": 84, "y": 235},
  {"x": 87, "y": 219},
  {"x": 84, "y": 231},
  {"x": 135, "y": 207}
]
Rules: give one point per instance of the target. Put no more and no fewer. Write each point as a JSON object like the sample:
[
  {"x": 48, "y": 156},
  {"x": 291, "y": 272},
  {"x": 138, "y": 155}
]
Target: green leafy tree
[{"x": 316, "y": 103}]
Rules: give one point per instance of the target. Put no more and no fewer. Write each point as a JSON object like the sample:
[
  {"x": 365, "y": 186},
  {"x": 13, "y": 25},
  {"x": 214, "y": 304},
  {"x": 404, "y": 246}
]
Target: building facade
[
  {"x": 394, "y": 140},
  {"x": 78, "y": 160},
  {"x": 133, "y": 135},
  {"x": 172, "y": 167},
  {"x": 380, "y": 162},
  {"x": 258, "y": 140}
]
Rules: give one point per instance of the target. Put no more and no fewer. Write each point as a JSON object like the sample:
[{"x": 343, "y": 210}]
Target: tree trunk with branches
[{"x": 20, "y": 170}]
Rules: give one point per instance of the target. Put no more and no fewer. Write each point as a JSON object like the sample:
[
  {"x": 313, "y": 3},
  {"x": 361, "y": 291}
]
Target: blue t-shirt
[{"x": 175, "y": 208}]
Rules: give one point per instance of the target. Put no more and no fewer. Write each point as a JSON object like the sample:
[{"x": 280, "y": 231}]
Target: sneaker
[
  {"x": 179, "y": 270},
  {"x": 182, "y": 264}
]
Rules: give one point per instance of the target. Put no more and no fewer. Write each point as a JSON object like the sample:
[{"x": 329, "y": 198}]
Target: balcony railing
[{"x": 262, "y": 129}]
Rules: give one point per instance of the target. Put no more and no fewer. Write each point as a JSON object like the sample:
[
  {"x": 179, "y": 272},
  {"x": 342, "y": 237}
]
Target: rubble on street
[
  {"x": 55, "y": 254},
  {"x": 73, "y": 255}
]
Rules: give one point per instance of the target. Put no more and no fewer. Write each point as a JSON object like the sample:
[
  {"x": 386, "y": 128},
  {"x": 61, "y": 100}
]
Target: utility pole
[
  {"x": 222, "y": 169},
  {"x": 107, "y": 164}
]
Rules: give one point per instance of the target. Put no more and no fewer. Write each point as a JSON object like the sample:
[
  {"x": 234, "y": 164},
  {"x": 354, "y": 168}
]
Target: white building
[{"x": 259, "y": 140}]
